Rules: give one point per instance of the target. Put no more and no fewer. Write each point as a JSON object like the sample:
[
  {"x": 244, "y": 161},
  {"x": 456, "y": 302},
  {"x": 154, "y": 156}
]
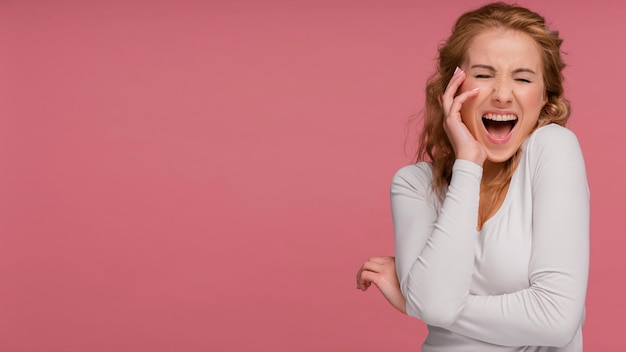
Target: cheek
[
  {"x": 535, "y": 101},
  {"x": 535, "y": 96},
  {"x": 471, "y": 104},
  {"x": 468, "y": 85},
  {"x": 469, "y": 111}
]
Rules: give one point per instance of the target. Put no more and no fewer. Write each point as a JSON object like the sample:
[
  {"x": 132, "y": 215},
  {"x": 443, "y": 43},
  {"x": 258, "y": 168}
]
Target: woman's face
[{"x": 507, "y": 67}]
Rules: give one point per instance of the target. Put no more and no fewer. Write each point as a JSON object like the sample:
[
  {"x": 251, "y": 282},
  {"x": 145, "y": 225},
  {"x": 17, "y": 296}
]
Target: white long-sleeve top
[{"x": 518, "y": 284}]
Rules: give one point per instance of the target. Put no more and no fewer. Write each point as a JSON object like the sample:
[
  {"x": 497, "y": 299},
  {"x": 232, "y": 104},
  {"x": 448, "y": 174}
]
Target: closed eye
[
  {"x": 482, "y": 76},
  {"x": 523, "y": 80}
]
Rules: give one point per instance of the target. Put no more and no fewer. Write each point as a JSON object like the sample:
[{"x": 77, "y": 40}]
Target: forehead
[{"x": 504, "y": 49}]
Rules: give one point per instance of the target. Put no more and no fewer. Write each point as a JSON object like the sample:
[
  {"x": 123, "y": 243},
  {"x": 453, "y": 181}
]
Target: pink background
[{"x": 208, "y": 176}]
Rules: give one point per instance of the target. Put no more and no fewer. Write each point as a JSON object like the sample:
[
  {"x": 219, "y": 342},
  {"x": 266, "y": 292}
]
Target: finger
[
  {"x": 460, "y": 99},
  {"x": 373, "y": 266},
  {"x": 455, "y": 76},
  {"x": 358, "y": 275},
  {"x": 388, "y": 260},
  {"x": 453, "y": 86},
  {"x": 361, "y": 283},
  {"x": 363, "y": 286},
  {"x": 382, "y": 260},
  {"x": 379, "y": 260},
  {"x": 366, "y": 279}
]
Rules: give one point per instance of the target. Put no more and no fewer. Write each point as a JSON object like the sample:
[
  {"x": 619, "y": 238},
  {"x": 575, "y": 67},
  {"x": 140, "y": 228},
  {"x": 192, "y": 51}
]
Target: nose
[{"x": 502, "y": 92}]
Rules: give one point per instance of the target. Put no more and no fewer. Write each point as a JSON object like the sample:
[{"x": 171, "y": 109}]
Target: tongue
[{"x": 498, "y": 129}]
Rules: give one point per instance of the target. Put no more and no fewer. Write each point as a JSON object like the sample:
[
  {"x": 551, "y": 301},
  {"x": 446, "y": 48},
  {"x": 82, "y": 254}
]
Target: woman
[{"x": 491, "y": 234}]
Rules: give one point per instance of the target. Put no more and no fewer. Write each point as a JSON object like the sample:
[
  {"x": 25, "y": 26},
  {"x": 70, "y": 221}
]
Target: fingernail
[
  {"x": 456, "y": 70},
  {"x": 475, "y": 89}
]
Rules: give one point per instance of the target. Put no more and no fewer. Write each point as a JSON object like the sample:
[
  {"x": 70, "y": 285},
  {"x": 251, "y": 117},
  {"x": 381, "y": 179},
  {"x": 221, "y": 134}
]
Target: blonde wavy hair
[{"x": 434, "y": 145}]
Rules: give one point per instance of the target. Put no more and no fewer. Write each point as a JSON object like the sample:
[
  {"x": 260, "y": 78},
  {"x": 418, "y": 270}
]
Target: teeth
[{"x": 495, "y": 117}]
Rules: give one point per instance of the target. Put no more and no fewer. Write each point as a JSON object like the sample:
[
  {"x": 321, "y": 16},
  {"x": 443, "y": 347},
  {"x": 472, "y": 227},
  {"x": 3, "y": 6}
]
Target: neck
[
  {"x": 492, "y": 191},
  {"x": 490, "y": 170}
]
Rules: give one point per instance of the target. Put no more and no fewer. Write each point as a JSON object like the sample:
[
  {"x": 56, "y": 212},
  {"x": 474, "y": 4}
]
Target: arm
[
  {"x": 549, "y": 312},
  {"x": 435, "y": 252}
]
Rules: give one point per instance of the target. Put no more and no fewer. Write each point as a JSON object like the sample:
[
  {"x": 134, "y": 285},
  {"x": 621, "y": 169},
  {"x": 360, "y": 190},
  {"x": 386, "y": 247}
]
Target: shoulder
[
  {"x": 421, "y": 171},
  {"x": 550, "y": 142},
  {"x": 415, "y": 177},
  {"x": 554, "y": 149},
  {"x": 552, "y": 137}
]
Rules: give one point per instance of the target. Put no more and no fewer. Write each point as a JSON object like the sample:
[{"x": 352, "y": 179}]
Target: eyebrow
[{"x": 492, "y": 69}]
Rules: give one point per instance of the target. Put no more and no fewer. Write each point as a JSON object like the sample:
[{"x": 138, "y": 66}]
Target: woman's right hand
[
  {"x": 464, "y": 144},
  {"x": 382, "y": 272}
]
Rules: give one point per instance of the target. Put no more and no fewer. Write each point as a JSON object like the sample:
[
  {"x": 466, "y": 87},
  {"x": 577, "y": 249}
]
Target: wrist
[{"x": 476, "y": 158}]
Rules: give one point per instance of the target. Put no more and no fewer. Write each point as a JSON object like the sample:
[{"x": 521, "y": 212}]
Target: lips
[{"x": 499, "y": 126}]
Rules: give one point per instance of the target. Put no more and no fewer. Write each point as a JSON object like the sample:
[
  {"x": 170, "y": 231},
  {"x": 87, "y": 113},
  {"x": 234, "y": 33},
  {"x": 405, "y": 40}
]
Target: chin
[{"x": 500, "y": 156}]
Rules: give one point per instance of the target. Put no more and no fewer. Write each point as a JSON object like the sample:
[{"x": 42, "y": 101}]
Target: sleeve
[
  {"x": 435, "y": 250},
  {"x": 550, "y": 311}
]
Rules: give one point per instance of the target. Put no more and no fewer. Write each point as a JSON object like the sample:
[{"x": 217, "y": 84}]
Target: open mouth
[{"x": 499, "y": 126}]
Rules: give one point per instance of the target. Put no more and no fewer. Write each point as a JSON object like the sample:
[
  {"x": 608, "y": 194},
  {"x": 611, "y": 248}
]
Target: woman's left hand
[{"x": 382, "y": 272}]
